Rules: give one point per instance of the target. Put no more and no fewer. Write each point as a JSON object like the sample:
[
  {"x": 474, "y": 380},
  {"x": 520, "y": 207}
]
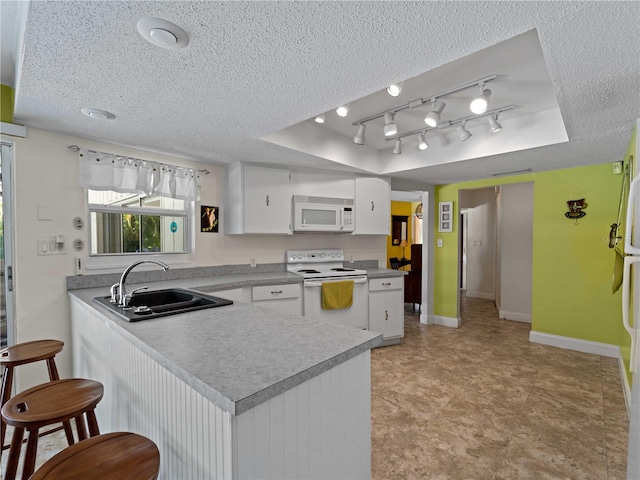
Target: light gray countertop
[{"x": 241, "y": 355}]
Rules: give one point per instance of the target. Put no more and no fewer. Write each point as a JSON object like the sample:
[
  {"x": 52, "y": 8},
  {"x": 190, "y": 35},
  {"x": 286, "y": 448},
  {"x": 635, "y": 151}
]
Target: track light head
[
  {"x": 319, "y": 119},
  {"x": 422, "y": 143},
  {"x": 433, "y": 117},
  {"x": 359, "y": 137},
  {"x": 480, "y": 103},
  {"x": 390, "y": 128},
  {"x": 464, "y": 133},
  {"x": 494, "y": 126},
  {"x": 394, "y": 89},
  {"x": 398, "y": 147},
  {"x": 343, "y": 110}
]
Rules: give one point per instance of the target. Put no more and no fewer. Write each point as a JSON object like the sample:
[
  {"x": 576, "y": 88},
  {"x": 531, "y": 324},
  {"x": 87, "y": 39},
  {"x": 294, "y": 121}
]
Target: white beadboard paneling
[
  {"x": 319, "y": 429},
  {"x": 142, "y": 397}
]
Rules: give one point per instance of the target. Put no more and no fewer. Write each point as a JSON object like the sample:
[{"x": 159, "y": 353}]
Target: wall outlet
[
  {"x": 350, "y": 258},
  {"x": 253, "y": 262}
]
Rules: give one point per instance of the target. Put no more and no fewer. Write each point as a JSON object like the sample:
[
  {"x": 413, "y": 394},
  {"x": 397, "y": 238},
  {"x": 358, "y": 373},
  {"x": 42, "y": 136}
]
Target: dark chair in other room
[
  {"x": 413, "y": 280},
  {"x": 395, "y": 263}
]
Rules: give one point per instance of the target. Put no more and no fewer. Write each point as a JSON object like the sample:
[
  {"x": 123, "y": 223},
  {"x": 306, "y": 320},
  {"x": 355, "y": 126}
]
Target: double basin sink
[{"x": 161, "y": 303}]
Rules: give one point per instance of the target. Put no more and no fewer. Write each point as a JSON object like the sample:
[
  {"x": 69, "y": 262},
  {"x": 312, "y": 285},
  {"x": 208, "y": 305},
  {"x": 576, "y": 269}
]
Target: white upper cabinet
[
  {"x": 322, "y": 184},
  {"x": 257, "y": 200},
  {"x": 373, "y": 206}
]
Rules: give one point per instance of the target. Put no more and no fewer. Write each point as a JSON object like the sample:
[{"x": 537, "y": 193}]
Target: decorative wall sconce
[
  {"x": 575, "y": 209},
  {"x": 445, "y": 223}
]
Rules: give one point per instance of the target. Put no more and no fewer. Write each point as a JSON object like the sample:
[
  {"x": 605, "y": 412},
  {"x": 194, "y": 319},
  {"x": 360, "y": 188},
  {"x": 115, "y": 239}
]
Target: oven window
[{"x": 319, "y": 217}]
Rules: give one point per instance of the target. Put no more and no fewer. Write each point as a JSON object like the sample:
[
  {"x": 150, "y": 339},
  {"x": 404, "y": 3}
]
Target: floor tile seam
[{"x": 565, "y": 395}]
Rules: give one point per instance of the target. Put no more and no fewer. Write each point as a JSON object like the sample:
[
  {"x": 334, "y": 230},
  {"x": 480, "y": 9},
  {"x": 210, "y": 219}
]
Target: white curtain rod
[{"x": 76, "y": 148}]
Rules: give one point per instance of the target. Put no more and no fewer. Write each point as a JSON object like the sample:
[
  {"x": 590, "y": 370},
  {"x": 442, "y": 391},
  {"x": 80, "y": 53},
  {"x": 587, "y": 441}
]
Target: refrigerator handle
[
  {"x": 626, "y": 291},
  {"x": 629, "y": 246}
]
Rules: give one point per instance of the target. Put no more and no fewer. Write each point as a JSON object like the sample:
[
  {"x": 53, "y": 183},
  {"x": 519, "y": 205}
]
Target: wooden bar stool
[
  {"x": 113, "y": 456},
  {"x": 24, "y": 353},
  {"x": 46, "y": 404}
]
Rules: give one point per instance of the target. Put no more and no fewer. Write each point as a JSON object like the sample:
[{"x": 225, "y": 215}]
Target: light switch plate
[
  {"x": 44, "y": 212},
  {"x": 439, "y": 242}
]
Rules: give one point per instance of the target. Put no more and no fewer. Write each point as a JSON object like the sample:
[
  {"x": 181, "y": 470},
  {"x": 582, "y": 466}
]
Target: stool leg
[
  {"x": 93, "y": 423},
  {"x": 82, "y": 429},
  {"x": 7, "y": 382},
  {"x": 53, "y": 371},
  {"x": 14, "y": 453},
  {"x": 30, "y": 455},
  {"x": 68, "y": 432}
]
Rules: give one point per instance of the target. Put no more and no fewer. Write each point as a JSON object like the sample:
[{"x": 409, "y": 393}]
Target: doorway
[{"x": 7, "y": 327}]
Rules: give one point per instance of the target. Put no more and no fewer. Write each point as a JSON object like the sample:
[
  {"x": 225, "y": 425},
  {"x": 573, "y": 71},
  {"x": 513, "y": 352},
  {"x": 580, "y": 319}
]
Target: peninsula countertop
[{"x": 240, "y": 355}]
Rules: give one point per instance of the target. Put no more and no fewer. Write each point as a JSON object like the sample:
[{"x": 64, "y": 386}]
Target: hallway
[{"x": 481, "y": 402}]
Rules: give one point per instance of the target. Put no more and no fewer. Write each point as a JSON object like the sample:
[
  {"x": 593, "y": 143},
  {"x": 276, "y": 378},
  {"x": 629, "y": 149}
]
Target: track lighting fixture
[
  {"x": 464, "y": 133},
  {"x": 319, "y": 119},
  {"x": 480, "y": 103},
  {"x": 390, "y": 128},
  {"x": 494, "y": 126},
  {"x": 394, "y": 89},
  {"x": 422, "y": 143},
  {"x": 398, "y": 147},
  {"x": 343, "y": 111},
  {"x": 433, "y": 117},
  {"x": 359, "y": 137}
]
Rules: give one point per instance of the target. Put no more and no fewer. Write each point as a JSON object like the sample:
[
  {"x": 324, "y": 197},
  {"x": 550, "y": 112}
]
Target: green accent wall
[
  {"x": 572, "y": 264},
  {"x": 6, "y": 103}
]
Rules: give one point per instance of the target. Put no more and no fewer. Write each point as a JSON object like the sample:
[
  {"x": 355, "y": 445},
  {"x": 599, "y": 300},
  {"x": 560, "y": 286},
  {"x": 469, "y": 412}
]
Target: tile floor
[{"x": 481, "y": 402}]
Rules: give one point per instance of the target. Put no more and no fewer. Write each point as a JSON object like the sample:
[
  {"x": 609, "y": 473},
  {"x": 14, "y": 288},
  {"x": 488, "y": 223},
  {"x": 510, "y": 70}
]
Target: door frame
[{"x": 8, "y": 233}]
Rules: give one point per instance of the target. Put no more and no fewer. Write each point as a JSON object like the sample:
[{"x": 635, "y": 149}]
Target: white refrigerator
[{"x": 631, "y": 315}]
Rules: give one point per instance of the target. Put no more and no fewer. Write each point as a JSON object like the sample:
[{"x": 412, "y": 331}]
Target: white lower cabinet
[
  {"x": 233, "y": 294},
  {"x": 283, "y": 298},
  {"x": 386, "y": 308}
]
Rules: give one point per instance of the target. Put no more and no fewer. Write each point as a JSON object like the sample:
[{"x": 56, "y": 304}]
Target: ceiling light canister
[
  {"x": 97, "y": 114},
  {"x": 433, "y": 117},
  {"x": 162, "y": 33},
  {"x": 422, "y": 143},
  {"x": 464, "y": 133},
  {"x": 319, "y": 119},
  {"x": 343, "y": 111},
  {"x": 480, "y": 103},
  {"x": 398, "y": 147},
  {"x": 359, "y": 137},
  {"x": 390, "y": 128},
  {"x": 494, "y": 126},
  {"x": 394, "y": 89}
]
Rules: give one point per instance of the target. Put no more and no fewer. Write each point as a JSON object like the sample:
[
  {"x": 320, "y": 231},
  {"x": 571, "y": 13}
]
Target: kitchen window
[{"x": 126, "y": 224}]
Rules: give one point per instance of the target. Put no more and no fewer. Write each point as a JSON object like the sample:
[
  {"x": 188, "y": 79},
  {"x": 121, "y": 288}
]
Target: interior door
[{"x": 7, "y": 330}]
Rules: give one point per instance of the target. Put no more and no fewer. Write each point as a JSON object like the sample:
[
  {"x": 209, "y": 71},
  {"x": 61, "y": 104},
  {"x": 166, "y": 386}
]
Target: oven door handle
[{"x": 319, "y": 284}]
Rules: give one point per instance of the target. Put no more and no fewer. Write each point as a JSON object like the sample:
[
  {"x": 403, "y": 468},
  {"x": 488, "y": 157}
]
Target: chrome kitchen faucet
[{"x": 118, "y": 292}]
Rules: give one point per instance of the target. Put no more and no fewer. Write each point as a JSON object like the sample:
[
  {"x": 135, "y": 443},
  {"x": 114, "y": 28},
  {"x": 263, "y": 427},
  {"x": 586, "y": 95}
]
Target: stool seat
[
  {"x": 112, "y": 456},
  {"x": 29, "y": 352},
  {"x": 46, "y": 404}
]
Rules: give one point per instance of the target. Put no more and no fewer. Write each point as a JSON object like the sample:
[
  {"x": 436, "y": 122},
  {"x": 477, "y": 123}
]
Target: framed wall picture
[
  {"x": 445, "y": 217},
  {"x": 209, "y": 218}
]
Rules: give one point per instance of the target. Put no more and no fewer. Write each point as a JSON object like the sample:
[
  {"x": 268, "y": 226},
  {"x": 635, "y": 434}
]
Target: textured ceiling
[{"x": 254, "y": 68}]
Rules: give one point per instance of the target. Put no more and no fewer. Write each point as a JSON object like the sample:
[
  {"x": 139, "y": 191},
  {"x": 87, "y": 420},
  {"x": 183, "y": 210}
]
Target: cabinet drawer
[
  {"x": 276, "y": 292},
  {"x": 381, "y": 284}
]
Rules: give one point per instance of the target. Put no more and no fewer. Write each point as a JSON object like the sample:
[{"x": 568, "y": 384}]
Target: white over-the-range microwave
[{"x": 322, "y": 214}]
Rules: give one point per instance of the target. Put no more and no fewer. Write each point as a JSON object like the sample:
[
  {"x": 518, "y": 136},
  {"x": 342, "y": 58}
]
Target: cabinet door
[
  {"x": 373, "y": 206},
  {"x": 267, "y": 197},
  {"x": 386, "y": 313}
]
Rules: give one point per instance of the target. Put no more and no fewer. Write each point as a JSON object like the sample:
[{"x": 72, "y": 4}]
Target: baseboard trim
[
  {"x": 515, "y": 316},
  {"x": 485, "y": 296},
  {"x": 625, "y": 382},
  {"x": 445, "y": 321},
  {"x": 577, "y": 344}
]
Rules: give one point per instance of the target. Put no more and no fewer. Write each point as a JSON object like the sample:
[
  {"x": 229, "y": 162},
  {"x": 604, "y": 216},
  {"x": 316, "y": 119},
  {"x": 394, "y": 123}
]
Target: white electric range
[{"x": 327, "y": 265}]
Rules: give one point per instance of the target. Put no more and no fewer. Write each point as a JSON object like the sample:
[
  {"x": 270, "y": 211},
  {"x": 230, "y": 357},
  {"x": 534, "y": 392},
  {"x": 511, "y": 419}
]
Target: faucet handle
[
  {"x": 114, "y": 293},
  {"x": 128, "y": 296}
]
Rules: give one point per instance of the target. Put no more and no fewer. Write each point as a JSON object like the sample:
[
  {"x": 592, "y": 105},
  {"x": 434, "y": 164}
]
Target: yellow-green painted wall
[
  {"x": 572, "y": 264},
  {"x": 6, "y": 103}
]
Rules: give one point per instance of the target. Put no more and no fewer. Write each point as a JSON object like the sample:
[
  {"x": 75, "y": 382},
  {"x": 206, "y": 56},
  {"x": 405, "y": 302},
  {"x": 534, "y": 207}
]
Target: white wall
[
  {"x": 516, "y": 245},
  {"x": 46, "y": 173},
  {"x": 481, "y": 215}
]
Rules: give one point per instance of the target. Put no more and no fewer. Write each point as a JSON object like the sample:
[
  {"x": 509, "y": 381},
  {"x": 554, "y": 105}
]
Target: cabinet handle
[
  {"x": 372, "y": 206},
  {"x": 276, "y": 292},
  {"x": 266, "y": 200},
  {"x": 386, "y": 315},
  {"x": 386, "y": 284}
]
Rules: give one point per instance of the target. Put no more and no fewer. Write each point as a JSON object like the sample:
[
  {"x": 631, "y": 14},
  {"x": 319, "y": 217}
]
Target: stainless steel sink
[{"x": 161, "y": 303}]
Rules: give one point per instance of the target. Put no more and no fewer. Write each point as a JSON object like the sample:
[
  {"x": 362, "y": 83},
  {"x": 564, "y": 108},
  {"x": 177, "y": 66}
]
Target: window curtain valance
[{"x": 106, "y": 171}]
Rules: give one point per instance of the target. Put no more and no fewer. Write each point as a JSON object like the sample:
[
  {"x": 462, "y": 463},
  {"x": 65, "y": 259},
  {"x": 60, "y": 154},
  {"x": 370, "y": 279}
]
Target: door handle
[
  {"x": 372, "y": 206},
  {"x": 10, "y": 278},
  {"x": 626, "y": 290},
  {"x": 386, "y": 315},
  {"x": 629, "y": 244},
  {"x": 266, "y": 200}
]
